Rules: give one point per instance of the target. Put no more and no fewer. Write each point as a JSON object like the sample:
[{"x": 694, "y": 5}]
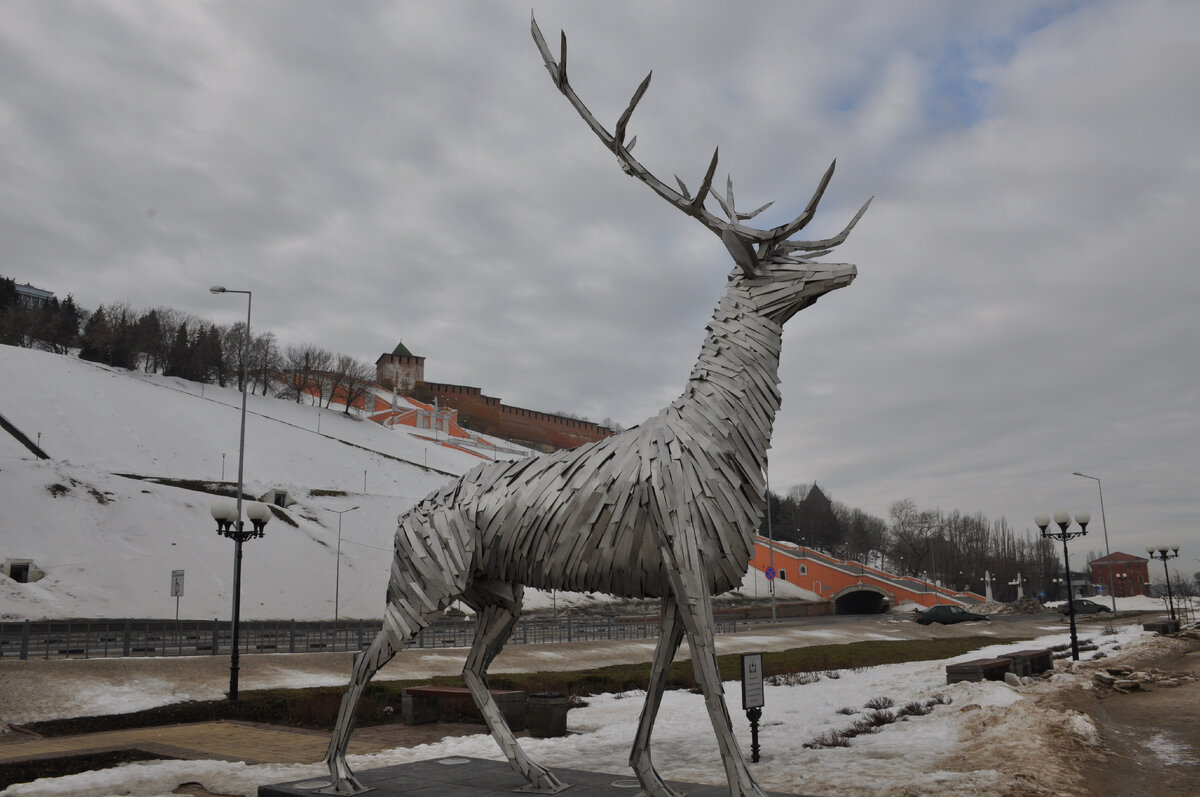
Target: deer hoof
[
  {"x": 543, "y": 782},
  {"x": 344, "y": 782}
]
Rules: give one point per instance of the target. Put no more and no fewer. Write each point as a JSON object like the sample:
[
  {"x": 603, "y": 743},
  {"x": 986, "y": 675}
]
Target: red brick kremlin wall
[{"x": 486, "y": 414}]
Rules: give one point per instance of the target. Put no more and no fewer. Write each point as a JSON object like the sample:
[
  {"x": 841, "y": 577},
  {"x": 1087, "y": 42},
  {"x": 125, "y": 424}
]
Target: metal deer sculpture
[{"x": 667, "y": 510}]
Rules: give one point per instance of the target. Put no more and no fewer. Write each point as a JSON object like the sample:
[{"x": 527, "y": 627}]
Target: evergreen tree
[
  {"x": 97, "y": 337},
  {"x": 179, "y": 359},
  {"x": 149, "y": 342},
  {"x": 63, "y": 334},
  {"x": 123, "y": 351},
  {"x": 208, "y": 364}
]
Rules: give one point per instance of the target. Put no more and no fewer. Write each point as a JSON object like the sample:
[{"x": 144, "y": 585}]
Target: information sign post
[
  {"x": 176, "y": 588},
  {"x": 752, "y": 696}
]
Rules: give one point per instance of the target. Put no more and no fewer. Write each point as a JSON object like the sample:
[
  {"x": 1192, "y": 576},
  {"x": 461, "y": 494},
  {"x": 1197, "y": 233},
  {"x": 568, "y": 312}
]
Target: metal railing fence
[{"x": 65, "y": 639}]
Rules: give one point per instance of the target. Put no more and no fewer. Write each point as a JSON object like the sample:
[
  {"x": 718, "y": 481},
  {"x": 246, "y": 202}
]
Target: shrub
[
  {"x": 880, "y": 718},
  {"x": 915, "y": 709},
  {"x": 829, "y": 739}
]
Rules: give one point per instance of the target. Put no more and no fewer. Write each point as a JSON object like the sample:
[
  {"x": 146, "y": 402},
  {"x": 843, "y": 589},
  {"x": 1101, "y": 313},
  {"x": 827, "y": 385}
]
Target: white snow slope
[{"x": 108, "y": 542}]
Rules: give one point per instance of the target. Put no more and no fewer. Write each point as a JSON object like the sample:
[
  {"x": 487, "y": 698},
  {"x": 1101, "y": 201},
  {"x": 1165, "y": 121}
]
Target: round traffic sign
[{"x": 769, "y": 573}]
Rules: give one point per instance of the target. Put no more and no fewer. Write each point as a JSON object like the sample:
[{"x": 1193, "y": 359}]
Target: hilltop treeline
[{"x": 173, "y": 343}]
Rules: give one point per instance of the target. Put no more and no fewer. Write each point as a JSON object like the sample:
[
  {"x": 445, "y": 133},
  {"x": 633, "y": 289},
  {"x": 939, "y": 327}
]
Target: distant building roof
[
  {"x": 31, "y": 295},
  {"x": 401, "y": 350},
  {"x": 1118, "y": 556}
]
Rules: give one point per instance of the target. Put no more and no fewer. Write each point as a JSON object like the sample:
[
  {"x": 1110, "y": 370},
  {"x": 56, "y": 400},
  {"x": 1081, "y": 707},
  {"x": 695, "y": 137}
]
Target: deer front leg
[
  {"x": 689, "y": 584},
  {"x": 670, "y": 635}
]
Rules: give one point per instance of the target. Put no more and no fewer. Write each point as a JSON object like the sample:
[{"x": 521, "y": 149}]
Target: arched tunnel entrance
[{"x": 861, "y": 599}]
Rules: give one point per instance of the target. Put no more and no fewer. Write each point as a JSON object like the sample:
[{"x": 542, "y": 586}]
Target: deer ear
[{"x": 743, "y": 253}]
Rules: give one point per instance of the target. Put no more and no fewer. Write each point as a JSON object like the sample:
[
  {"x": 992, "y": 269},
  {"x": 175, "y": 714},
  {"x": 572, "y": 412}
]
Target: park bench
[
  {"x": 1162, "y": 627},
  {"x": 1031, "y": 662},
  {"x": 423, "y": 704},
  {"x": 977, "y": 670}
]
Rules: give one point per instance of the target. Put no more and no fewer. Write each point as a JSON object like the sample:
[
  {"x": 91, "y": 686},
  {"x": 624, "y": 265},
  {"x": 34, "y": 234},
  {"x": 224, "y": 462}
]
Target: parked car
[
  {"x": 947, "y": 615},
  {"x": 1084, "y": 606}
]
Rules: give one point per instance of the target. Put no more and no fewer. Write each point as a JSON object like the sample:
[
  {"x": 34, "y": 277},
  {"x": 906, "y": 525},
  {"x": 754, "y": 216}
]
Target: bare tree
[
  {"x": 909, "y": 535},
  {"x": 265, "y": 361},
  {"x": 359, "y": 378},
  {"x": 305, "y": 372}
]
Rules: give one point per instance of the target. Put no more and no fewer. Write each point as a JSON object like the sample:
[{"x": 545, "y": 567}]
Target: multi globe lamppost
[
  {"x": 1063, "y": 521},
  {"x": 1161, "y": 553},
  {"x": 229, "y": 524},
  {"x": 229, "y": 516}
]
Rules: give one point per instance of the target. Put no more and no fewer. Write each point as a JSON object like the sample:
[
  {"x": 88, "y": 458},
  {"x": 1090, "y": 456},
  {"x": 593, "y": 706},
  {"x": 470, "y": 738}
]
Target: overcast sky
[{"x": 384, "y": 171}]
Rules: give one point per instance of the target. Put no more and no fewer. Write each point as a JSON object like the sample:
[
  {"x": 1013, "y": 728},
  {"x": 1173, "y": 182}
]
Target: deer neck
[{"x": 735, "y": 382}]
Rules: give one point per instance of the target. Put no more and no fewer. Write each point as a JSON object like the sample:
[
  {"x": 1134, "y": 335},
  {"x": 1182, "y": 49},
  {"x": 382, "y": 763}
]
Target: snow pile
[{"x": 1024, "y": 605}]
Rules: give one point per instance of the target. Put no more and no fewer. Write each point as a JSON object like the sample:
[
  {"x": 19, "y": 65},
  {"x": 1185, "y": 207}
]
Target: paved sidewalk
[{"x": 252, "y": 743}]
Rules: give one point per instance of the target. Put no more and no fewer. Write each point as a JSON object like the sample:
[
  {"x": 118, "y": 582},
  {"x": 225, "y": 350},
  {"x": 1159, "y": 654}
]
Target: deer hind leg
[
  {"x": 670, "y": 635},
  {"x": 689, "y": 585},
  {"x": 497, "y": 607},
  {"x": 398, "y": 630}
]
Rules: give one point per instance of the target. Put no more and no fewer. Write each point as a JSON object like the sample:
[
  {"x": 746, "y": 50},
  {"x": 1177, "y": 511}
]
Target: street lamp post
[
  {"x": 1162, "y": 554},
  {"x": 337, "y": 578},
  {"x": 933, "y": 556},
  {"x": 1104, "y": 526},
  {"x": 770, "y": 543},
  {"x": 1123, "y": 580},
  {"x": 1063, "y": 521},
  {"x": 237, "y": 511},
  {"x": 229, "y": 524}
]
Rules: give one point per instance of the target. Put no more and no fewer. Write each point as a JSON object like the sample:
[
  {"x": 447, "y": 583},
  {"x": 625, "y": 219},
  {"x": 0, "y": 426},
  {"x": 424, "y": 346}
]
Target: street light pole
[
  {"x": 337, "y": 578},
  {"x": 1063, "y": 521},
  {"x": 237, "y": 536},
  {"x": 1107, "y": 550},
  {"x": 245, "y": 358},
  {"x": 1163, "y": 555},
  {"x": 770, "y": 543}
]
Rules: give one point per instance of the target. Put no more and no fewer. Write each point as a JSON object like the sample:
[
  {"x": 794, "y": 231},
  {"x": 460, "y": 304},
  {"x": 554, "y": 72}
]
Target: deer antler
[{"x": 747, "y": 245}]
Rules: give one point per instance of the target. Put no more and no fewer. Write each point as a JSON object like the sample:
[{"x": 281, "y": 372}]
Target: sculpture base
[{"x": 475, "y": 777}]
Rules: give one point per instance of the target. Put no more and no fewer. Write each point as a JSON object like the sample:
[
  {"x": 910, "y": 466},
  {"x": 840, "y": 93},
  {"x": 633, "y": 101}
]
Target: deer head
[{"x": 769, "y": 260}]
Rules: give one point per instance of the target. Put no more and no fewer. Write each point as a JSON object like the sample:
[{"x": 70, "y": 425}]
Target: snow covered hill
[
  {"x": 109, "y": 542},
  {"x": 121, "y": 501}
]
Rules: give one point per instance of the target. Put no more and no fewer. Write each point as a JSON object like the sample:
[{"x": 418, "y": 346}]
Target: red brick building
[
  {"x": 1130, "y": 574},
  {"x": 404, "y": 372}
]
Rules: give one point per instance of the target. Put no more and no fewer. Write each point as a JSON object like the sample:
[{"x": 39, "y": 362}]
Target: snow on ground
[
  {"x": 1137, "y": 603},
  {"x": 966, "y": 747}
]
